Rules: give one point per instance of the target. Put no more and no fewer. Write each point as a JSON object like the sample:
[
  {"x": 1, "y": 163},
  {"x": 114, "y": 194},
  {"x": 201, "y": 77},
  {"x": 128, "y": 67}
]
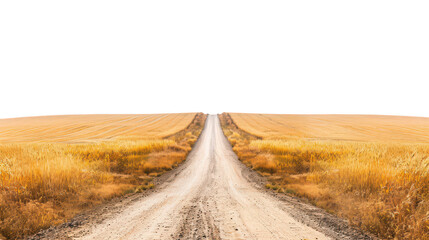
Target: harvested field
[
  {"x": 335, "y": 127},
  {"x": 90, "y": 128}
]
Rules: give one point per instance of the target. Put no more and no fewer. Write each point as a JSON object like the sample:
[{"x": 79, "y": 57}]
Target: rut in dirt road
[{"x": 209, "y": 198}]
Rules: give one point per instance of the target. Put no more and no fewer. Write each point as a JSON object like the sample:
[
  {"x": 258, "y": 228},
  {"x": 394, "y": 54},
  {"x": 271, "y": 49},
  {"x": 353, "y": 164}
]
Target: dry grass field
[
  {"x": 372, "y": 170},
  {"x": 54, "y": 167}
]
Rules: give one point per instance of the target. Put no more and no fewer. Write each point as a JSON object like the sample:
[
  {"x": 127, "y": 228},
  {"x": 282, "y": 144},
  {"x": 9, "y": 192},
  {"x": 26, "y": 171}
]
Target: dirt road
[{"x": 212, "y": 195}]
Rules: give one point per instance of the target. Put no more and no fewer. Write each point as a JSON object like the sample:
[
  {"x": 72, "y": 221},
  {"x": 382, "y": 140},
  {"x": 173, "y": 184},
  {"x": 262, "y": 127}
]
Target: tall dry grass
[
  {"x": 42, "y": 184},
  {"x": 382, "y": 187},
  {"x": 35, "y": 180}
]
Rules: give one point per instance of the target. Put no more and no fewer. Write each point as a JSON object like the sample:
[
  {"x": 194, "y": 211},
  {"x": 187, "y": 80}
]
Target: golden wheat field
[
  {"x": 54, "y": 167},
  {"x": 335, "y": 127},
  {"x": 371, "y": 170},
  {"x": 89, "y": 128}
]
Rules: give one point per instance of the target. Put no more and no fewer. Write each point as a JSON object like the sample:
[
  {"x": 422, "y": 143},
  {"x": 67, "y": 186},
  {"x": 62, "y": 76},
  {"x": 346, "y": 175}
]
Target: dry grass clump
[
  {"x": 42, "y": 184},
  {"x": 382, "y": 187},
  {"x": 120, "y": 156},
  {"x": 34, "y": 180}
]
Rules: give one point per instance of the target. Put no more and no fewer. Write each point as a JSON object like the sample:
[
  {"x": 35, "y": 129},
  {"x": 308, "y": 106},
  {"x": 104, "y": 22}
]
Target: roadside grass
[
  {"x": 43, "y": 184},
  {"x": 381, "y": 187}
]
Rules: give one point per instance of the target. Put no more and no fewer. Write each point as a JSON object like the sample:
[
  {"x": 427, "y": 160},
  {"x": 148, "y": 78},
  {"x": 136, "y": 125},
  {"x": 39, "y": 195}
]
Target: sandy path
[{"x": 210, "y": 197}]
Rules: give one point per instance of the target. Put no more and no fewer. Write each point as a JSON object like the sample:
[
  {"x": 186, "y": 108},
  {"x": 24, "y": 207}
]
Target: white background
[{"x": 83, "y": 56}]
